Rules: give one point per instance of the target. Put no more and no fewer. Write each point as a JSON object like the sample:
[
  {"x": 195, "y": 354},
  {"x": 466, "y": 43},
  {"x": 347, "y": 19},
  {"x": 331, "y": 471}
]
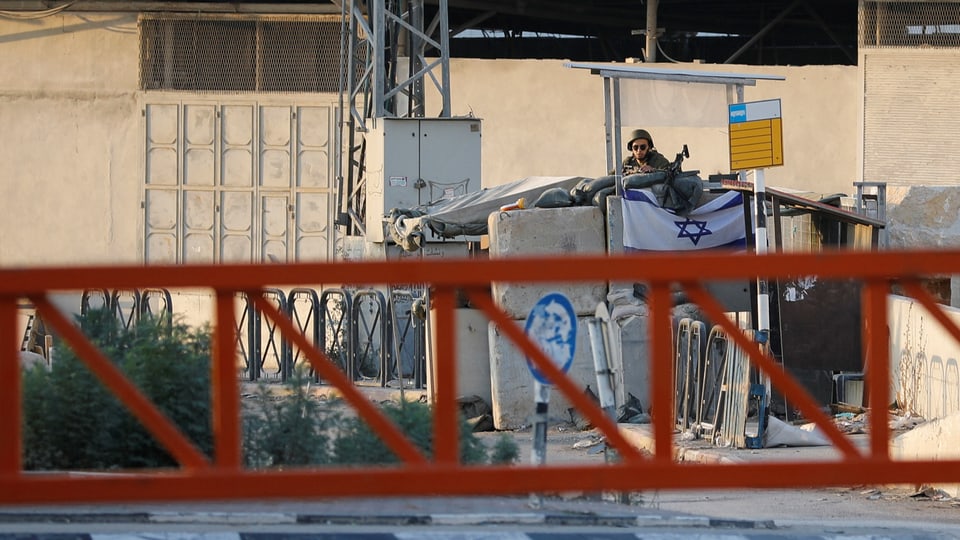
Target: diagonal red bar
[
  {"x": 152, "y": 419},
  {"x": 379, "y": 423},
  {"x": 778, "y": 377},
  {"x": 582, "y": 403}
]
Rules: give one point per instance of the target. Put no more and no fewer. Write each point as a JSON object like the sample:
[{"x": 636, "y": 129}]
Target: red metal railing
[{"x": 224, "y": 478}]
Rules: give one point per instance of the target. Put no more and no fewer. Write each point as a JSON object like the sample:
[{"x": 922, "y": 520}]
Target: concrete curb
[
  {"x": 639, "y": 436},
  {"x": 440, "y": 519},
  {"x": 228, "y": 518}
]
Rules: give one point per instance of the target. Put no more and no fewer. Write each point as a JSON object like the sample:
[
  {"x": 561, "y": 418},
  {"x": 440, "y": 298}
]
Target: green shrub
[
  {"x": 505, "y": 451},
  {"x": 289, "y": 430},
  {"x": 356, "y": 443},
  {"x": 71, "y": 421}
]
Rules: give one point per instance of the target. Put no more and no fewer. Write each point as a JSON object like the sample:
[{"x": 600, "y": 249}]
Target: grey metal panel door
[
  {"x": 237, "y": 182},
  {"x": 237, "y": 165},
  {"x": 198, "y": 214},
  {"x": 161, "y": 182},
  {"x": 314, "y": 193}
]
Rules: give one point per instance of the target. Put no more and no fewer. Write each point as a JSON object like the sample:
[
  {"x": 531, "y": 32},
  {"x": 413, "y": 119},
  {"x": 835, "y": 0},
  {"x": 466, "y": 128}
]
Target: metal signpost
[
  {"x": 756, "y": 141},
  {"x": 552, "y": 325}
]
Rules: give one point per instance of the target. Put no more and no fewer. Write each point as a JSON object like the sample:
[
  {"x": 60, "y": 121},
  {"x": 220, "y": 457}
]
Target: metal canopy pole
[
  {"x": 608, "y": 121},
  {"x": 617, "y": 139}
]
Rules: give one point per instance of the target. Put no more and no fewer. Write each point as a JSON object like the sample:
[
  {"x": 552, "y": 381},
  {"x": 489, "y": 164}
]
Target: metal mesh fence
[
  {"x": 909, "y": 24},
  {"x": 240, "y": 53}
]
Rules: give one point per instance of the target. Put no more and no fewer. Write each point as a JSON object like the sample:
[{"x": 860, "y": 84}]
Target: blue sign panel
[
  {"x": 754, "y": 110},
  {"x": 738, "y": 112},
  {"x": 552, "y": 324}
]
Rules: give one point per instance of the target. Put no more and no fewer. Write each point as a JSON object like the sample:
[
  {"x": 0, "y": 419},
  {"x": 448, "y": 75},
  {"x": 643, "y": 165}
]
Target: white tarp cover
[{"x": 467, "y": 214}]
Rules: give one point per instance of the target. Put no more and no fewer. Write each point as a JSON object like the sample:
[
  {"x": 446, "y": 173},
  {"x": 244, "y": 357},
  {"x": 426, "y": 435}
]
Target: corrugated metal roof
[{"x": 757, "y": 32}]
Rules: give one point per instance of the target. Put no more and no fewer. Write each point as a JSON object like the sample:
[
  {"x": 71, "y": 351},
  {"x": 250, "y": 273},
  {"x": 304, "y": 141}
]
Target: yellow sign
[{"x": 756, "y": 135}]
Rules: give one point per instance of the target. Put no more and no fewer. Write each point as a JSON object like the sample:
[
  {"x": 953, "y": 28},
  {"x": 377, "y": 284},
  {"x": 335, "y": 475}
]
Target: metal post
[
  {"x": 762, "y": 335},
  {"x": 651, "y": 44},
  {"x": 538, "y": 454},
  {"x": 763, "y": 295}
]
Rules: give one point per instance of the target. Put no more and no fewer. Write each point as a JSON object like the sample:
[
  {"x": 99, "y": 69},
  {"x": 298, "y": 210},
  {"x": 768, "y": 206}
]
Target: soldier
[{"x": 644, "y": 157}]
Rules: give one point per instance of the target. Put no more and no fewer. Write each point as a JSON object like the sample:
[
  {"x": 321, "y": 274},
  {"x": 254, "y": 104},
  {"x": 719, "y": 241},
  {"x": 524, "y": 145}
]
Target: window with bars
[
  {"x": 909, "y": 24},
  {"x": 228, "y": 53}
]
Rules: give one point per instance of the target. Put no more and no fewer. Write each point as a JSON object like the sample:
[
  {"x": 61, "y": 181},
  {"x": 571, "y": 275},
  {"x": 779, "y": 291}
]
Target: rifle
[{"x": 676, "y": 168}]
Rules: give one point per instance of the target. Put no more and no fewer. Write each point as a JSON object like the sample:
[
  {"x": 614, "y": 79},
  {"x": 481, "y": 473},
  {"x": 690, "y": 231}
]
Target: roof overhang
[{"x": 616, "y": 71}]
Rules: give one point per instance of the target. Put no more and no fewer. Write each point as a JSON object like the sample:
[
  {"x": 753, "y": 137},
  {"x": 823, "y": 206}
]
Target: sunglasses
[{"x": 639, "y": 147}]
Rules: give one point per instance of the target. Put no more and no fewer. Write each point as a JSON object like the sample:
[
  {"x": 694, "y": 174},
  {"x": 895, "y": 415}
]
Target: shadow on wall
[{"x": 925, "y": 371}]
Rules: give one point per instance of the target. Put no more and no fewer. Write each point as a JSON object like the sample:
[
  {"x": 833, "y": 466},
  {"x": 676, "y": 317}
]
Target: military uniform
[{"x": 654, "y": 159}]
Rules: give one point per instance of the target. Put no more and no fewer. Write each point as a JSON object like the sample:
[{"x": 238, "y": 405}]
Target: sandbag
[
  {"x": 682, "y": 194},
  {"x": 645, "y": 180},
  {"x": 584, "y": 192},
  {"x": 600, "y": 198},
  {"x": 554, "y": 198}
]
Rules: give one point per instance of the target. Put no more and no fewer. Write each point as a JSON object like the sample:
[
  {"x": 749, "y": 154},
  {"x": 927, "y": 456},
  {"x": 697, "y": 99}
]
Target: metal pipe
[{"x": 651, "y": 46}]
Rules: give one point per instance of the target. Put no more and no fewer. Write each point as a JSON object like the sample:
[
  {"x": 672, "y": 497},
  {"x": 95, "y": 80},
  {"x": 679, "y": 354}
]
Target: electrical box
[{"x": 413, "y": 162}]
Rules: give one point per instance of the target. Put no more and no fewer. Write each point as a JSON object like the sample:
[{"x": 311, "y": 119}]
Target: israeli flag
[{"x": 649, "y": 227}]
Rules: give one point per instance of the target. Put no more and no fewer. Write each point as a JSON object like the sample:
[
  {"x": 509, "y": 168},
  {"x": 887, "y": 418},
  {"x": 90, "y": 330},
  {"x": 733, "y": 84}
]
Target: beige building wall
[
  {"x": 73, "y": 135},
  {"x": 70, "y": 140}
]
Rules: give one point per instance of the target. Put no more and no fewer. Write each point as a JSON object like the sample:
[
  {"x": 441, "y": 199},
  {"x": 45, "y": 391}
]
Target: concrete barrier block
[
  {"x": 630, "y": 328},
  {"x": 473, "y": 355},
  {"x": 635, "y": 350},
  {"x": 547, "y": 231},
  {"x": 512, "y": 384},
  {"x": 613, "y": 221},
  {"x": 935, "y": 440}
]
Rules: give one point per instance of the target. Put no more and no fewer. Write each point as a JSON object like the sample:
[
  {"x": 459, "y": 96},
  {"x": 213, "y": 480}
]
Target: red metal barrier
[{"x": 224, "y": 478}]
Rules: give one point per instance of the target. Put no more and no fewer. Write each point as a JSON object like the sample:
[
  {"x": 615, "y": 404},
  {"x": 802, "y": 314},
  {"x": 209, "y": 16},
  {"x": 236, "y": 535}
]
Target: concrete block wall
[
  {"x": 512, "y": 383},
  {"x": 635, "y": 351},
  {"x": 540, "y": 232},
  {"x": 924, "y": 366},
  {"x": 936, "y": 441},
  {"x": 473, "y": 355},
  {"x": 584, "y": 230},
  {"x": 575, "y": 230}
]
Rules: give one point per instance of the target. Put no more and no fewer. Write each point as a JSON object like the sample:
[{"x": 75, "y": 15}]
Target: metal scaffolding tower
[{"x": 383, "y": 63}]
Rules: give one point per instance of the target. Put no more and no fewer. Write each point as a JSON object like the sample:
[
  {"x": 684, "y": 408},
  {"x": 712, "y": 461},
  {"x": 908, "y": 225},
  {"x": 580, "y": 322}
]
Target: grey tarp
[{"x": 467, "y": 214}]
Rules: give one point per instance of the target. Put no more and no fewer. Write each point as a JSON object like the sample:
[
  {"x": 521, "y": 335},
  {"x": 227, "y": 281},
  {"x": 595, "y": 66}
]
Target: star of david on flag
[{"x": 648, "y": 227}]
